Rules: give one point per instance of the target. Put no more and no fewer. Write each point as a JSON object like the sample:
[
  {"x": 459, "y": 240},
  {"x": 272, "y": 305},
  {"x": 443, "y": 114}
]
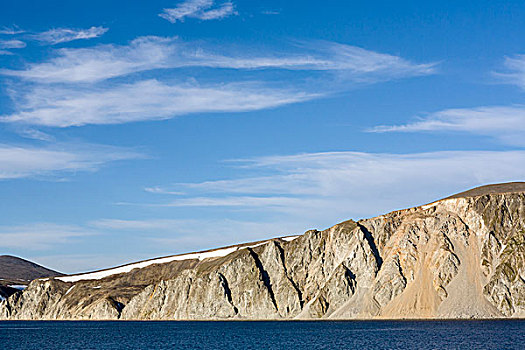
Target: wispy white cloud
[
  {"x": 72, "y": 88},
  {"x": 143, "y": 100},
  {"x": 12, "y": 44},
  {"x": 305, "y": 191},
  {"x": 26, "y": 161},
  {"x": 181, "y": 236},
  {"x": 230, "y": 201},
  {"x": 350, "y": 62},
  {"x": 355, "y": 63},
  {"x": 199, "y": 9},
  {"x": 338, "y": 185},
  {"x": 514, "y": 71},
  {"x": 136, "y": 225},
  {"x": 89, "y": 98},
  {"x": 62, "y": 35},
  {"x": 223, "y": 10},
  {"x": 40, "y": 236},
  {"x": 14, "y": 30},
  {"x": 34, "y": 134},
  {"x": 506, "y": 123},
  {"x": 100, "y": 62},
  {"x": 148, "y": 53},
  {"x": 156, "y": 189},
  {"x": 503, "y": 123}
]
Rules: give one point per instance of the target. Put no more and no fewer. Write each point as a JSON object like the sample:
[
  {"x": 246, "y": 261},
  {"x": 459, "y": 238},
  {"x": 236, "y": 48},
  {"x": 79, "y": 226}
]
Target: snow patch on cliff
[
  {"x": 18, "y": 286},
  {"x": 127, "y": 268}
]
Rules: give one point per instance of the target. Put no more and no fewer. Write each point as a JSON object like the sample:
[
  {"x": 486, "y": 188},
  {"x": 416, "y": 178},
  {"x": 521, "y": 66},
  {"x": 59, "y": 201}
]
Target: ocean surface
[{"x": 264, "y": 335}]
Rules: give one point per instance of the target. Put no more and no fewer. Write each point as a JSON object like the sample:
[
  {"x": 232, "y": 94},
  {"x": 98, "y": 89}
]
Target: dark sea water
[{"x": 264, "y": 335}]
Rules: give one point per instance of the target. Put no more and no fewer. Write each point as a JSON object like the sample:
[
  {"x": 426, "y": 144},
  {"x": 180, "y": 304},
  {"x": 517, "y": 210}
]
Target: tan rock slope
[{"x": 460, "y": 257}]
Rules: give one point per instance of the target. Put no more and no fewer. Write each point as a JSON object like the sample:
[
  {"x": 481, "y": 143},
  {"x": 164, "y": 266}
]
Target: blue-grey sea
[{"x": 264, "y": 335}]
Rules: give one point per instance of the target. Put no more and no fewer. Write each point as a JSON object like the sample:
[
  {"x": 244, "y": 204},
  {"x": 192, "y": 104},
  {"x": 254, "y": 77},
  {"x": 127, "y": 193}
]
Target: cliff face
[{"x": 461, "y": 257}]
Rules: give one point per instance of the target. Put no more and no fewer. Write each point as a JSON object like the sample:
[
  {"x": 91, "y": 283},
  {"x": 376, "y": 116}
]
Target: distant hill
[
  {"x": 19, "y": 271},
  {"x": 16, "y": 273}
]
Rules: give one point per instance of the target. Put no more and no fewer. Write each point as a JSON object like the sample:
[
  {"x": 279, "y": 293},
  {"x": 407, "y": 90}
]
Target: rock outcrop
[{"x": 460, "y": 257}]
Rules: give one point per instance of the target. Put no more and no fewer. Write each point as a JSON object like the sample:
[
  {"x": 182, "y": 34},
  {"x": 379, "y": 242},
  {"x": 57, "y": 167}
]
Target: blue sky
[{"x": 134, "y": 129}]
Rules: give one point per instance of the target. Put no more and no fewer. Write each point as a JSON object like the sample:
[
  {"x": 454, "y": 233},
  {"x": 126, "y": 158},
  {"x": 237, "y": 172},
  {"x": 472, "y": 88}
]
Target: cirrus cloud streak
[
  {"x": 40, "y": 236},
  {"x": 144, "y": 100},
  {"x": 338, "y": 185},
  {"x": 62, "y": 35},
  {"x": 200, "y": 9},
  {"x": 505, "y": 123},
  {"x": 28, "y": 161},
  {"x": 102, "y": 62}
]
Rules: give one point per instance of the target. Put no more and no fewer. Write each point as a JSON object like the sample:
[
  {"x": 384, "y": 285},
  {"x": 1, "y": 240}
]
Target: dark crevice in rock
[
  {"x": 350, "y": 277},
  {"x": 348, "y": 273},
  {"x": 117, "y": 305},
  {"x": 296, "y": 287},
  {"x": 448, "y": 246},
  {"x": 398, "y": 264},
  {"x": 264, "y": 276},
  {"x": 371, "y": 242},
  {"x": 227, "y": 291},
  {"x": 8, "y": 309},
  {"x": 324, "y": 305}
]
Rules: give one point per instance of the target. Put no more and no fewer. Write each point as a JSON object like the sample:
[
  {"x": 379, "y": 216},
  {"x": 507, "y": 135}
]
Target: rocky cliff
[{"x": 460, "y": 257}]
